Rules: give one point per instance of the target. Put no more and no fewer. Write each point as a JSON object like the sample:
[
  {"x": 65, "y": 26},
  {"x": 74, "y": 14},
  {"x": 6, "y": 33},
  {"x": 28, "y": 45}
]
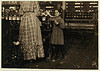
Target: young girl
[{"x": 57, "y": 38}]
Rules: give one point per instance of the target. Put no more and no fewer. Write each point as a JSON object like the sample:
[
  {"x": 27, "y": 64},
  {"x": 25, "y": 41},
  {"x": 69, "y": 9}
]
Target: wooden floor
[{"x": 81, "y": 52}]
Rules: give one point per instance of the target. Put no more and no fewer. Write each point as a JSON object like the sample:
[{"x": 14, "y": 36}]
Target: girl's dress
[
  {"x": 57, "y": 37},
  {"x": 29, "y": 31}
]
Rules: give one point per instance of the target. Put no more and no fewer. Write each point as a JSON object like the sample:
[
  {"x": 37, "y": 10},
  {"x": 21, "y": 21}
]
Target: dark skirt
[{"x": 57, "y": 36}]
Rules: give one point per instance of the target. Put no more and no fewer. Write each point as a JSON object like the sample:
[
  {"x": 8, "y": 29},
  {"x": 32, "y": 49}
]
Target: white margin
[{"x": 22, "y": 69}]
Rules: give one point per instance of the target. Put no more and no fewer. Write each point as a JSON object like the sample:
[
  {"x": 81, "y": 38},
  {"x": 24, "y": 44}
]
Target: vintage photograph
[{"x": 49, "y": 34}]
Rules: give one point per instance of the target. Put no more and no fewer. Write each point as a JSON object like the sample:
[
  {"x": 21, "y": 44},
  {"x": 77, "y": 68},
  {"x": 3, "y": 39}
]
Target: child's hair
[{"x": 58, "y": 10}]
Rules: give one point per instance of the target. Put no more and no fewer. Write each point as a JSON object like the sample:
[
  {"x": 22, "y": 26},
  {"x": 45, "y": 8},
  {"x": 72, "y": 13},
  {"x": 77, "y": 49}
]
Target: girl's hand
[
  {"x": 47, "y": 12},
  {"x": 55, "y": 21}
]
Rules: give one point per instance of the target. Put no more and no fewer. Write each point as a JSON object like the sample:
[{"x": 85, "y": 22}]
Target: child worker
[{"x": 57, "y": 37}]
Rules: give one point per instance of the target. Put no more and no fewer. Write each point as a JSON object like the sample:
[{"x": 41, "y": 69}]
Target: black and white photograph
[{"x": 49, "y": 35}]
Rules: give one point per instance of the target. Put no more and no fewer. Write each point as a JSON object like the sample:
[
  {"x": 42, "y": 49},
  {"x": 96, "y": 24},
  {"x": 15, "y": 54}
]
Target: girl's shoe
[
  {"x": 53, "y": 60},
  {"x": 61, "y": 62}
]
